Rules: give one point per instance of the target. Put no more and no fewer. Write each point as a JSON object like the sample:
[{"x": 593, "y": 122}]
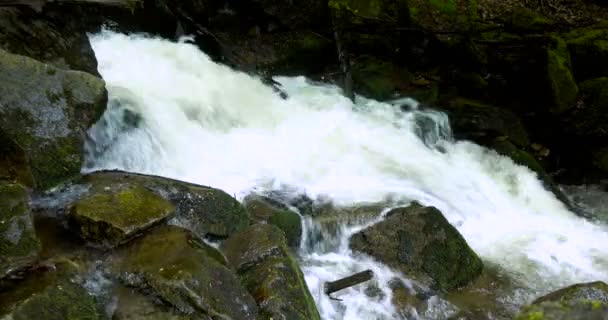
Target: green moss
[
  {"x": 537, "y": 315},
  {"x": 464, "y": 264},
  {"x": 526, "y": 19},
  {"x": 63, "y": 301},
  {"x": 173, "y": 267},
  {"x": 269, "y": 271},
  {"x": 19, "y": 245},
  {"x": 564, "y": 89},
  {"x": 206, "y": 211},
  {"x": 589, "y": 50},
  {"x": 114, "y": 216},
  {"x": 444, "y": 6}
]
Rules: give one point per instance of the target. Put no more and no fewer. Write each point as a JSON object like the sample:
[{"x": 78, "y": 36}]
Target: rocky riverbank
[{"x": 529, "y": 80}]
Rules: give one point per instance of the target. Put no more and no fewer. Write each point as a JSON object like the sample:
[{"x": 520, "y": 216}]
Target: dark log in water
[{"x": 355, "y": 279}]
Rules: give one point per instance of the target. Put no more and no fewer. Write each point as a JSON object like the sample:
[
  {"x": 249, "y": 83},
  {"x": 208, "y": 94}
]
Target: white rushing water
[{"x": 205, "y": 123}]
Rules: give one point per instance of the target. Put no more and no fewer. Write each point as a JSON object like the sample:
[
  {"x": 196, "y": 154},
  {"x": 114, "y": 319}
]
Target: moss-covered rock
[
  {"x": 589, "y": 51},
  {"x": 19, "y": 245},
  {"x": 113, "y": 216},
  {"x": 52, "y": 294},
  {"x": 585, "y": 301},
  {"x": 524, "y": 19},
  {"x": 563, "y": 87},
  {"x": 261, "y": 258},
  {"x": 439, "y": 15},
  {"x": 132, "y": 305},
  {"x": 471, "y": 119},
  {"x": 205, "y": 211},
  {"x": 14, "y": 165},
  {"x": 288, "y": 221},
  {"x": 46, "y": 111},
  {"x": 420, "y": 242},
  {"x": 174, "y": 266}
]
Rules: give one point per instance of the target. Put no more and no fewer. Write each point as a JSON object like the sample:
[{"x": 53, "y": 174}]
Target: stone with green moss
[
  {"x": 13, "y": 162},
  {"x": 112, "y": 216},
  {"x": 19, "y": 246},
  {"x": 53, "y": 294},
  {"x": 286, "y": 220},
  {"x": 132, "y": 305},
  {"x": 439, "y": 15},
  {"x": 206, "y": 211},
  {"x": 174, "y": 266},
  {"x": 420, "y": 242},
  {"x": 589, "y": 50},
  {"x": 585, "y": 301},
  {"x": 563, "y": 87},
  {"x": 261, "y": 258},
  {"x": 46, "y": 112},
  {"x": 524, "y": 19}
]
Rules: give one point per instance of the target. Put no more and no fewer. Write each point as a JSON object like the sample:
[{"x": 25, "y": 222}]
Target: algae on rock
[
  {"x": 176, "y": 267},
  {"x": 204, "y": 210},
  {"x": 46, "y": 112},
  {"x": 584, "y": 301},
  {"x": 113, "y": 217},
  {"x": 286, "y": 220},
  {"x": 261, "y": 258},
  {"x": 19, "y": 246}
]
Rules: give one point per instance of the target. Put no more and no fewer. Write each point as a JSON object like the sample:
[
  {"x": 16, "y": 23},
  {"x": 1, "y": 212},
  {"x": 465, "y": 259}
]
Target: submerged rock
[
  {"x": 421, "y": 243},
  {"x": 45, "y": 112},
  {"x": 171, "y": 264},
  {"x": 114, "y": 215},
  {"x": 19, "y": 246},
  {"x": 585, "y": 301},
  {"x": 260, "y": 256},
  {"x": 208, "y": 212},
  {"x": 288, "y": 221}
]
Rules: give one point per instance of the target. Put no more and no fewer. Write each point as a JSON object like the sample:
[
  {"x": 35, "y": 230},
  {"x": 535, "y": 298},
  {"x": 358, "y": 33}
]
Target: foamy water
[{"x": 205, "y": 123}]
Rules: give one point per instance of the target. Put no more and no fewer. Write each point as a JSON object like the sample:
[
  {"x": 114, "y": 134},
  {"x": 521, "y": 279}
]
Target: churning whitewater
[{"x": 173, "y": 112}]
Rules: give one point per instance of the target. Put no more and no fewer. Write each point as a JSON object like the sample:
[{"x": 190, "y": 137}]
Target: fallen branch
[{"x": 355, "y": 279}]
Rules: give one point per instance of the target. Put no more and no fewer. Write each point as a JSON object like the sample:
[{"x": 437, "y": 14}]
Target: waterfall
[{"x": 173, "y": 112}]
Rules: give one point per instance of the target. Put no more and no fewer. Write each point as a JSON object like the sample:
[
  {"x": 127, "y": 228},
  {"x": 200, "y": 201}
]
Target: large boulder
[
  {"x": 585, "y": 301},
  {"x": 45, "y": 112},
  {"x": 421, "y": 243},
  {"x": 480, "y": 122},
  {"x": 174, "y": 266},
  {"x": 261, "y": 258},
  {"x": 19, "y": 246},
  {"x": 115, "y": 215},
  {"x": 206, "y": 211},
  {"x": 55, "y": 32},
  {"x": 263, "y": 211}
]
